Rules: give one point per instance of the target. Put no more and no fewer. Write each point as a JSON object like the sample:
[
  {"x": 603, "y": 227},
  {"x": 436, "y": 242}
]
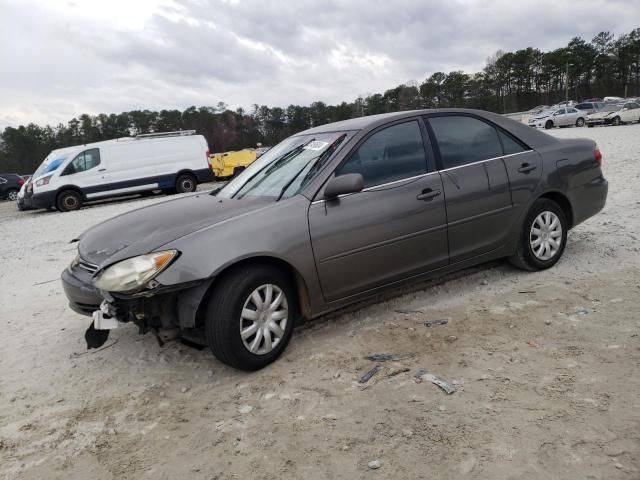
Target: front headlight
[
  {"x": 135, "y": 272},
  {"x": 41, "y": 182}
]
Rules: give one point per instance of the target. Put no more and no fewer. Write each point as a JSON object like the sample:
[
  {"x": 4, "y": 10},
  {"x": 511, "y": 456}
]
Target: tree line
[{"x": 510, "y": 81}]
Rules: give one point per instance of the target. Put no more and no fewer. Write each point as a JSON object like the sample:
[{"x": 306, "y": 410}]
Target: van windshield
[
  {"x": 50, "y": 164},
  {"x": 285, "y": 169}
]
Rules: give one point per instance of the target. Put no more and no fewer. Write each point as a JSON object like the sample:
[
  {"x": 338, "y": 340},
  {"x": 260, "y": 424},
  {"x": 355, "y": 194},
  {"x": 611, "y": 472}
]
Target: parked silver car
[
  {"x": 558, "y": 117},
  {"x": 334, "y": 215}
]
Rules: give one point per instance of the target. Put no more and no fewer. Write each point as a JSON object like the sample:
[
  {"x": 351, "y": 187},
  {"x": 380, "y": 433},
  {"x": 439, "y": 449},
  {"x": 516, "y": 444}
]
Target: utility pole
[{"x": 566, "y": 83}]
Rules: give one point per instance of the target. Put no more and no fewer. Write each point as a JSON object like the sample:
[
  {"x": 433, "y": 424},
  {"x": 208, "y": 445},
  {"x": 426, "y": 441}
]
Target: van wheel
[
  {"x": 69, "y": 200},
  {"x": 548, "y": 125},
  {"x": 580, "y": 122},
  {"x": 250, "y": 316},
  {"x": 186, "y": 183},
  {"x": 543, "y": 236}
]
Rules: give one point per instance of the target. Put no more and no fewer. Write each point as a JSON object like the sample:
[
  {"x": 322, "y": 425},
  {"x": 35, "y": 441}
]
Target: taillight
[
  {"x": 20, "y": 181},
  {"x": 597, "y": 155}
]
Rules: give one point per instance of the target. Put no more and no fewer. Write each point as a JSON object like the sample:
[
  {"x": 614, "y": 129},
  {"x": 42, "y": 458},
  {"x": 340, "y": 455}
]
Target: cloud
[{"x": 61, "y": 60}]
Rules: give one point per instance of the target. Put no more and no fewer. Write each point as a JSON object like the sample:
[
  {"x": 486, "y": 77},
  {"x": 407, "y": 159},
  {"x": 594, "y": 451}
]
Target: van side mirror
[{"x": 343, "y": 184}]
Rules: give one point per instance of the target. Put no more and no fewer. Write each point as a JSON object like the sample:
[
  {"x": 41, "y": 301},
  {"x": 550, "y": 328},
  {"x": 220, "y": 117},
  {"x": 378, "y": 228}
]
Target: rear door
[
  {"x": 475, "y": 181},
  {"x": 394, "y": 228}
]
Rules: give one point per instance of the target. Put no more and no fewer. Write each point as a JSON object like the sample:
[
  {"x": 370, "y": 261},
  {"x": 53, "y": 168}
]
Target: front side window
[
  {"x": 388, "y": 155},
  {"x": 463, "y": 140},
  {"x": 84, "y": 161}
]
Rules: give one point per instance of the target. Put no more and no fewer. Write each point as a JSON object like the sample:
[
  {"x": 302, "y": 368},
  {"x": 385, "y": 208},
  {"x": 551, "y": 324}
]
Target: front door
[
  {"x": 476, "y": 185},
  {"x": 86, "y": 171},
  {"x": 393, "y": 229}
]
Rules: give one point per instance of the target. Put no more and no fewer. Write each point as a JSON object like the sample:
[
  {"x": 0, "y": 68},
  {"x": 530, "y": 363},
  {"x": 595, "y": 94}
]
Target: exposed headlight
[
  {"x": 135, "y": 272},
  {"x": 43, "y": 181}
]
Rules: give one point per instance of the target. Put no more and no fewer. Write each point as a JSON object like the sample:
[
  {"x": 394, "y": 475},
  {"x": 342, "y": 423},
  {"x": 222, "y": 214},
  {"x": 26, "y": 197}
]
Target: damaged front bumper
[{"x": 163, "y": 307}]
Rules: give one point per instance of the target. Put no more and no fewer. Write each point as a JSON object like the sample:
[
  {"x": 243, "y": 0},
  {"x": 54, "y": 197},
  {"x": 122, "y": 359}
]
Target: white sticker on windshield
[{"x": 316, "y": 145}]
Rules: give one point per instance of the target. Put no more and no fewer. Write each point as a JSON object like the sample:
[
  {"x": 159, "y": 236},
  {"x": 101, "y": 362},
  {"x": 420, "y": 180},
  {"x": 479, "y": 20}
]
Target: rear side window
[
  {"x": 84, "y": 161},
  {"x": 509, "y": 145},
  {"x": 462, "y": 140},
  {"x": 391, "y": 154}
]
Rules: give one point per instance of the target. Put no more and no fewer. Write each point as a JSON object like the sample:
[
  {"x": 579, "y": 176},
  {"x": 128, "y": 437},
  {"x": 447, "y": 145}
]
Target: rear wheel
[
  {"x": 12, "y": 195},
  {"x": 580, "y": 122},
  {"x": 250, "y": 317},
  {"x": 186, "y": 183},
  {"x": 615, "y": 121},
  {"x": 69, "y": 200},
  {"x": 548, "y": 125},
  {"x": 543, "y": 236}
]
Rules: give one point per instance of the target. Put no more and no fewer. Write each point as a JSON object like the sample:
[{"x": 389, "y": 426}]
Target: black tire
[
  {"x": 12, "y": 194},
  {"x": 223, "y": 315},
  {"x": 580, "y": 122},
  {"x": 548, "y": 125},
  {"x": 69, "y": 200},
  {"x": 616, "y": 121},
  {"x": 525, "y": 257},
  {"x": 186, "y": 183}
]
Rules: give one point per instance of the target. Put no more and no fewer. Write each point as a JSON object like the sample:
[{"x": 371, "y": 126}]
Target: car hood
[{"x": 147, "y": 229}]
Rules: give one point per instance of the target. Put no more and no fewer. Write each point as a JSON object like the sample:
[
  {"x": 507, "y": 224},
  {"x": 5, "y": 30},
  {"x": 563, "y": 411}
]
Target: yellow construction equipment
[{"x": 227, "y": 164}]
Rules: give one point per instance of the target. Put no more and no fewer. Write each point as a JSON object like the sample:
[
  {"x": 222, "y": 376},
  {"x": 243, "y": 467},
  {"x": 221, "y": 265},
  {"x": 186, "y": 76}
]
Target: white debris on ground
[{"x": 546, "y": 366}]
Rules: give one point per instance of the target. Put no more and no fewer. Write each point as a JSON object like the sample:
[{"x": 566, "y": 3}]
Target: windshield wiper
[{"x": 288, "y": 184}]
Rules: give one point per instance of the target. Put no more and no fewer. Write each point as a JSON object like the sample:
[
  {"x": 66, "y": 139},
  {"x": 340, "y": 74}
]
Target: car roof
[{"x": 532, "y": 137}]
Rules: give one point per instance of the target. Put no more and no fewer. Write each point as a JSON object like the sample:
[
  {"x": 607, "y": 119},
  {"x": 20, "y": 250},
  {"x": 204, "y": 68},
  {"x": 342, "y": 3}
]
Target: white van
[{"x": 171, "y": 161}]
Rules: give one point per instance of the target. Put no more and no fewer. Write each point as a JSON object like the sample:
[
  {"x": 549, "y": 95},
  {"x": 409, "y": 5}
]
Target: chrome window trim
[
  {"x": 375, "y": 187},
  {"x": 483, "y": 161}
]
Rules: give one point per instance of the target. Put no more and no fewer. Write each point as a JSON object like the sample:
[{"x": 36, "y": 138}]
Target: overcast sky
[{"x": 59, "y": 59}]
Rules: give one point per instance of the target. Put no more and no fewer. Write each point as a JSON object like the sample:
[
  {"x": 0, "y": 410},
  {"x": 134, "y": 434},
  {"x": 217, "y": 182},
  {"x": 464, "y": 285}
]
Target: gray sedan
[{"x": 331, "y": 216}]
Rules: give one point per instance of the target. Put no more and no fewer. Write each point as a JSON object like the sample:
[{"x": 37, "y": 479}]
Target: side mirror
[{"x": 343, "y": 184}]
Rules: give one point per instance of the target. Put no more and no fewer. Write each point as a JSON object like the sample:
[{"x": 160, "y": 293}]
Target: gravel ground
[{"x": 546, "y": 366}]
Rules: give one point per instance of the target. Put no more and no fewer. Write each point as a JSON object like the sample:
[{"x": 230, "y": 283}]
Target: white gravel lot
[{"x": 547, "y": 366}]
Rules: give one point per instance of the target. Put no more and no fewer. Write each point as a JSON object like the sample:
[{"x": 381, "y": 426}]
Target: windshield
[
  {"x": 286, "y": 168},
  {"x": 50, "y": 164}
]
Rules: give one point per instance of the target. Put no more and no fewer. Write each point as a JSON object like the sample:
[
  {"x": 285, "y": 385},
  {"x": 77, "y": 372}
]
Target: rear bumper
[{"x": 589, "y": 199}]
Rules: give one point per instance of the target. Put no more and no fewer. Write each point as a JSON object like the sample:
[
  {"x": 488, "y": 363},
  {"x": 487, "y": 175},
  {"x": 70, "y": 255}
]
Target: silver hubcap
[
  {"x": 13, "y": 195},
  {"x": 187, "y": 186},
  {"x": 70, "y": 202},
  {"x": 264, "y": 319},
  {"x": 546, "y": 235}
]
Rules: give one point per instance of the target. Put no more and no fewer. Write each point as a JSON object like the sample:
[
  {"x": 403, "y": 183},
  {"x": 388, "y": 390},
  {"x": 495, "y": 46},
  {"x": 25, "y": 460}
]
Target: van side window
[
  {"x": 84, "y": 161},
  {"x": 391, "y": 154}
]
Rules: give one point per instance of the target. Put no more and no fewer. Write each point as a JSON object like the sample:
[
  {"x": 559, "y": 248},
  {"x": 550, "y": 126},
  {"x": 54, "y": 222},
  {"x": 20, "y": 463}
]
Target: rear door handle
[
  {"x": 428, "y": 194},
  {"x": 526, "y": 168}
]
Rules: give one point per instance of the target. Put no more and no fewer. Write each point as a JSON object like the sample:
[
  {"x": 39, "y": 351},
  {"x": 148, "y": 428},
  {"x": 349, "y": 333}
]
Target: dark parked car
[
  {"x": 331, "y": 216},
  {"x": 10, "y": 185}
]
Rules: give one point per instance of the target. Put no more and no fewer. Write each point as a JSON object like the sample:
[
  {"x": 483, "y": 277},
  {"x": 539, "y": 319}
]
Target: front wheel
[
  {"x": 548, "y": 125},
  {"x": 69, "y": 200},
  {"x": 249, "y": 319},
  {"x": 615, "y": 121},
  {"x": 543, "y": 236},
  {"x": 580, "y": 122}
]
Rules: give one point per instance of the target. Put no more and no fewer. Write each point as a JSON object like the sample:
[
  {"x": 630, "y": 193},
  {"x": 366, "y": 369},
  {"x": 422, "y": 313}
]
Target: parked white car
[
  {"x": 615, "y": 114},
  {"x": 172, "y": 162},
  {"x": 558, "y": 117}
]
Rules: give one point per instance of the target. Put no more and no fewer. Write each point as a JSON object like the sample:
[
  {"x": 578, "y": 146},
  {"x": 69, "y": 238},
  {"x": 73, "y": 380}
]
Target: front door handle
[
  {"x": 428, "y": 194},
  {"x": 526, "y": 168},
  {"x": 102, "y": 170}
]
